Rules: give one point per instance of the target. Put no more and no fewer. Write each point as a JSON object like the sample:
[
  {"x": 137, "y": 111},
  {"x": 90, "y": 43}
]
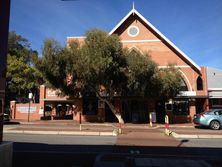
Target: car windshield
[{"x": 119, "y": 94}]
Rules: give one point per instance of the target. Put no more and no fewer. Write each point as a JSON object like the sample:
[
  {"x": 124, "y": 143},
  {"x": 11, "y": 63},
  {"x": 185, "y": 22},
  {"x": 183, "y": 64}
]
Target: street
[
  {"x": 61, "y": 139},
  {"x": 149, "y": 139},
  {"x": 139, "y": 144},
  {"x": 57, "y": 150}
]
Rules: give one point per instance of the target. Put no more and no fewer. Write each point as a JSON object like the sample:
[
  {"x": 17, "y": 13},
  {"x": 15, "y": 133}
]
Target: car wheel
[{"x": 215, "y": 125}]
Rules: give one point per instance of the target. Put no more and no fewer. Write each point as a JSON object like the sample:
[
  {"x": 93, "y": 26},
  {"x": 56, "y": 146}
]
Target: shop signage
[
  {"x": 187, "y": 93},
  {"x": 26, "y": 109}
]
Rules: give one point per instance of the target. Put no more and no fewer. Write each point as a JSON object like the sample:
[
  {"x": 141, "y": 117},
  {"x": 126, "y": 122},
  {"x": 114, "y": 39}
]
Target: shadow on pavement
[
  {"x": 11, "y": 123},
  {"x": 201, "y": 127},
  {"x": 36, "y": 154}
]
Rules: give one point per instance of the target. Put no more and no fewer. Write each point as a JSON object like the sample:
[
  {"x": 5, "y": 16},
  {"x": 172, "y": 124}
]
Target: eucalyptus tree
[
  {"x": 101, "y": 65},
  {"x": 22, "y": 76}
]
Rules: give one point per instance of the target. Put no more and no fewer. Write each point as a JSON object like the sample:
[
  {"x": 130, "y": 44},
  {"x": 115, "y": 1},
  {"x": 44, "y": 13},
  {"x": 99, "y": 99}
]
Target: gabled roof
[{"x": 134, "y": 11}]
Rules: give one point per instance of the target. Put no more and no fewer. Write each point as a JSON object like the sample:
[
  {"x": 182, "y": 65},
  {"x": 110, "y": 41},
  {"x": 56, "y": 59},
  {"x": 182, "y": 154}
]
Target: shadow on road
[
  {"x": 35, "y": 154},
  {"x": 182, "y": 142},
  {"x": 11, "y": 123}
]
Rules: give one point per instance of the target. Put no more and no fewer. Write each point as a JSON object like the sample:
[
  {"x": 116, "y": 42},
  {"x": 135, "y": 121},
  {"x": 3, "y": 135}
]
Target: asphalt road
[
  {"x": 61, "y": 139},
  {"x": 56, "y": 149},
  {"x": 210, "y": 143}
]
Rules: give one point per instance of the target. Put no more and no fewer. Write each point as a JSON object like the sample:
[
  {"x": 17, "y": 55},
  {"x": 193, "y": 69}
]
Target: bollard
[
  {"x": 80, "y": 127},
  {"x": 167, "y": 131},
  {"x": 151, "y": 120},
  {"x": 80, "y": 121},
  {"x": 120, "y": 128},
  {"x": 80, "y": 118}
]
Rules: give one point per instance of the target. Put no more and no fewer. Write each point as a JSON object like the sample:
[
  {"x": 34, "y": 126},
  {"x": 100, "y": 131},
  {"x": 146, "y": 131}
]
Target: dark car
[
  {"x": 211, "y": 118},
  {"x": 6, "y": 118}
]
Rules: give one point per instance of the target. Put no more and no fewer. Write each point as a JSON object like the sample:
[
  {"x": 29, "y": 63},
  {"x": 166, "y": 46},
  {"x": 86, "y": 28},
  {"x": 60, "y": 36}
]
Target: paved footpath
[
  {"x": 195, "y": 132},
  {"x": 69, "y": 127}
]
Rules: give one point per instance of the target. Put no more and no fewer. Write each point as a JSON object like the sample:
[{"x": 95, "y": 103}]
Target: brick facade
[{"x": 148, "y": 40}]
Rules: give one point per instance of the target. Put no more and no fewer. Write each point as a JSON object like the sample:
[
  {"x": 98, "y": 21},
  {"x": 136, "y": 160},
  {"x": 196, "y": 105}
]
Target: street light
[{"x": 30, "y": 98}]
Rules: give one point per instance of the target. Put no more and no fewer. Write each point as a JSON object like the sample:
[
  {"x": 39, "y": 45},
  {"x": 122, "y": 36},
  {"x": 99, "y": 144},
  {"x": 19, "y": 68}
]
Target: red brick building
[{"x": 138, "y": 34}]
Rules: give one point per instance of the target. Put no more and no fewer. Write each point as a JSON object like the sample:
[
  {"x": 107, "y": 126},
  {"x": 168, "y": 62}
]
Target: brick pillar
[
  {"x": 206, "y": 106},
  {"x": 192, "y": 108},
  {"x": 79, "y": 109},
  {"x": 42, "y": 96},
  {"x": 13, "y": 109}
]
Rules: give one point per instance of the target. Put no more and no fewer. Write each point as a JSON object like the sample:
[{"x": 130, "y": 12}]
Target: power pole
[{"x": 4, "y": 29}]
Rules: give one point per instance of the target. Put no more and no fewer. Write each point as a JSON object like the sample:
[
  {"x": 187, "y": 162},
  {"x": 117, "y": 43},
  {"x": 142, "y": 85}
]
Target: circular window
[{"x": 133, "y": 31}]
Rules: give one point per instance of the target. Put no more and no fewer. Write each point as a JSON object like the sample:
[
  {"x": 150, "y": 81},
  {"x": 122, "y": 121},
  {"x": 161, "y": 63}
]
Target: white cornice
[
  {"x": 182, "y": 66},
  {"x": 215, "y": 89}
]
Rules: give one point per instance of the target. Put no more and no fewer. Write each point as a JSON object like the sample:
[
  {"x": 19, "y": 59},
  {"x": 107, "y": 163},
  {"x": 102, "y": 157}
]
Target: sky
[{"x": 195, "y": 26}]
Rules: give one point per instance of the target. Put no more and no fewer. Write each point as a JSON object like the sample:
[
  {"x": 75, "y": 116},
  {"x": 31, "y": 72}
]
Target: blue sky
[{"x": 195, "y": 26}]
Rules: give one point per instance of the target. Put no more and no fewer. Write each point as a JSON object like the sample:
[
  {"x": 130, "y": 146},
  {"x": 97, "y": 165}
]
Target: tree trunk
[{"x": 112, "y": 108}]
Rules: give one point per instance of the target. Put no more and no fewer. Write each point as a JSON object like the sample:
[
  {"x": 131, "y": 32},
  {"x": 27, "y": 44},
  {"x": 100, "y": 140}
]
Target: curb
[
  {"x": 75, "y": 133},
  {"x": 180, "y": 136}
]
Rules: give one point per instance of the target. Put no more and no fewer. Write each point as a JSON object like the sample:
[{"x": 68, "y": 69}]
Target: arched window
[
  {"x": 183, "y": 85},
  {"x": 199, "y": 83},
  {"x": 134, "y": 50}
]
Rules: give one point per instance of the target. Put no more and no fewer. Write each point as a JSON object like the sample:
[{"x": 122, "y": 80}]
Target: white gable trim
[
  {"x": 158, "y": 32},
  {"x": 182, "y": 66},
  {"x": 135, "y": 48},
  {"x": 185, "y": 78}
]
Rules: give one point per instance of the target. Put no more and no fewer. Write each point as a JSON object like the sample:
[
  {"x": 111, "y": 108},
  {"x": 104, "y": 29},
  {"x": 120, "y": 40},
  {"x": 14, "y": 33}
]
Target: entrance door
[
  {"x": 200, "y": 105},
  {"x": 109, "y": 116},
  {"x": 135, "y": 111},
  {"x": 160, "y": 111}
]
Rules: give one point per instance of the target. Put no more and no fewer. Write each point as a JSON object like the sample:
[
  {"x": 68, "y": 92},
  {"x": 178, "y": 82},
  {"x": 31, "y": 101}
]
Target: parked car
[
  {"x": 211, "y": 118},
  {"x": 6, "y": 118}
]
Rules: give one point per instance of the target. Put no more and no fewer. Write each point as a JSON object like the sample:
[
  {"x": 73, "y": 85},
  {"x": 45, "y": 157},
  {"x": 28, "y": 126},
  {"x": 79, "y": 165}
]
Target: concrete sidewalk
[
  {"x": 70, "y": 127},
  {"x": 62, "y": 128},
  {"x": 195, "y": 133}
]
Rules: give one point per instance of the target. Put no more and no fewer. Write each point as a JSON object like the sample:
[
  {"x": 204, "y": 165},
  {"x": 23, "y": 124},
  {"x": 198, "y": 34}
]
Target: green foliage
[
  {"x": 169, "y": 80},
  {"x": 141, "y": 74},
  {"x": 21, "y": 76},
  {"x": 100, "y": 64}
]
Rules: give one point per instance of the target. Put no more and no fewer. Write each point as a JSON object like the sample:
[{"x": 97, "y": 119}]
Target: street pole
[
  {"x": 29, "y": 110},
  {"x": 30, "y": 98},
  {"x": 4, "y": 22}
]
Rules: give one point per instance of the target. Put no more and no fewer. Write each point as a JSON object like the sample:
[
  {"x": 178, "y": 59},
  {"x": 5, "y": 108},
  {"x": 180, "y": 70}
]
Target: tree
[
  {"x": 22, "y": 76},
  {"x": 101, "y": 66}
]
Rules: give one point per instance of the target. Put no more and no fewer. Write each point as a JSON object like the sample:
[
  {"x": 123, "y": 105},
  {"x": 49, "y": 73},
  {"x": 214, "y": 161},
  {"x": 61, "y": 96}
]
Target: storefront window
[
  {"x": 90, "y": 106},
  {"x": 216, "y": 102}
]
